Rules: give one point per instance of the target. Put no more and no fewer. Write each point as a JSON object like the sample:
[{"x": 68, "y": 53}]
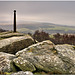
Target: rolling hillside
[{"x": 31, "y": 27}]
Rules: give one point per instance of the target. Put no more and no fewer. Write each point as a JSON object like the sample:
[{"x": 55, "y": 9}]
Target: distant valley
[{"x": 31, "y": 27}]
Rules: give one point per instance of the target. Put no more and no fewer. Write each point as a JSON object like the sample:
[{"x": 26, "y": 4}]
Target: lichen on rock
[
  {"x": 23, "y": 73},
  {"x": 5, "y": 62},
  {"x": 24, "y": 65},
  {"x": 41, "y": 56},
  {"x": 14, "y": 44},
  {"x": 67, "y": 54}
]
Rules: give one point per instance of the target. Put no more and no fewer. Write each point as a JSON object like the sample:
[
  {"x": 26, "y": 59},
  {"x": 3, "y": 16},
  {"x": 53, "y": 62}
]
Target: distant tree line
[
  {"x": 63, "y": 39},
  {"x": 40, "y": 35},
  {"x": 2, "y": 30},
  {"x": 57, "y": 38}
]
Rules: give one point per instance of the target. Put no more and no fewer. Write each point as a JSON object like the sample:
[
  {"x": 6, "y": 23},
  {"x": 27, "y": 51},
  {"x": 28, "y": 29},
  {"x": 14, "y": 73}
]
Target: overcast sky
[{"x": 53, "y": 12}]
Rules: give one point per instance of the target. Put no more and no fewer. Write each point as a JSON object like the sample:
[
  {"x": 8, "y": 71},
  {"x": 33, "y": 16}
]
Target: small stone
[{"x": 23, "y": 73}]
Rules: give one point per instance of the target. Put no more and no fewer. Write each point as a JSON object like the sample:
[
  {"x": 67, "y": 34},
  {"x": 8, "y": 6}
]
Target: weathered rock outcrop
[
  {"x": 45, "y": 56},
  {"x": 14, "y": 44},
  {"x": 41, "y": 56},
  {"x": 9, "y": 34},
  {"x": 24, "y": 65},
  {"x": 67, "y": 54},
  {"x": 23, "y": 73},
  {"x": 6, "y": 62}
]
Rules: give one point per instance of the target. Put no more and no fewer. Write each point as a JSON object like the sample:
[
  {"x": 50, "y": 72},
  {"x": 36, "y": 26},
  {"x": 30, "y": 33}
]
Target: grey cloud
[{"x": 57, "y": 12}]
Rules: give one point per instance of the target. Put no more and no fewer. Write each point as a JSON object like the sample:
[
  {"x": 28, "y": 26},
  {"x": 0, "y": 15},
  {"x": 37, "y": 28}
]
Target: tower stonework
[{"x": 14, "y": 20}]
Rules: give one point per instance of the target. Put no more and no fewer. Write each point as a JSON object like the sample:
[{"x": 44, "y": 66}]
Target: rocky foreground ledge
[
  {"x": 40, "y": 57},
  {"x": 13, "y": 42},
  {"x": 47, "y": 57}
]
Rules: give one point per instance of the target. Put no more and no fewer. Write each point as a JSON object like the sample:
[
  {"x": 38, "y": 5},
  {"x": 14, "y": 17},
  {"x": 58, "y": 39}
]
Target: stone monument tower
[{"x": 14, "y": 20}]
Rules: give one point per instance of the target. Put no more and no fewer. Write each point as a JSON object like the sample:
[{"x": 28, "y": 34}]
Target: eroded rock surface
[
  {"x": 24, "y": 65},
  {"x": 42, "y": 56},
  {"x": 6, "y": 62},
  {"x": 23, "y": 73},
  {"x": 45, "y": 56},
  {"x": 67, "y": 54},
  {"x": 14, "y": 44},
  {"x": 9, "y": 34}
]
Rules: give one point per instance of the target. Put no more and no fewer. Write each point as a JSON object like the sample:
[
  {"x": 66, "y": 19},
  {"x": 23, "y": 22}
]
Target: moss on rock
[
  {"x": 14, "y": 44},
  {"x": 24, "y": 65}
]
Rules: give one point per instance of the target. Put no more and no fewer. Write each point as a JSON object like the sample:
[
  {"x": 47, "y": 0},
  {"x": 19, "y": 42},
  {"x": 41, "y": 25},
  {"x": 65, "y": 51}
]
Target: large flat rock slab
[
  {"x": 8, "y": 34},
  {"x": 14, "y": 44}
]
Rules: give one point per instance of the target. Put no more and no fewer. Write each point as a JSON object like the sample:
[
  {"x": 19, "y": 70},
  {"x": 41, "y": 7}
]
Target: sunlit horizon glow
[{"x": 52, "y": 12}]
